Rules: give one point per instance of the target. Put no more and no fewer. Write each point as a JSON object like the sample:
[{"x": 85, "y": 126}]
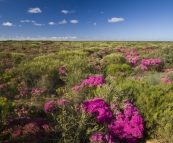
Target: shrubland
[{"x": 80, "y": 92}]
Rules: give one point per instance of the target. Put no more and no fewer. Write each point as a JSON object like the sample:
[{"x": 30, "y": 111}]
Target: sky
[{"x": 117, "y": 20}]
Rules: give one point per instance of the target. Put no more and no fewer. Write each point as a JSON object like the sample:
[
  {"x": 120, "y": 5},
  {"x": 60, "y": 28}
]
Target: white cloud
[
  {"x": 62, "y": 22},
  {"x": 115, "y": 19},
  {"x": 52, "y": 23},
  {"x": 8, "y": 24},
  {"x": 37, "y": 24},
  {"x": 25, "y": 21},
  {"x": 102, "y": 12},
  {"x": 74, "y": 21},
  {"x": 34, "y": 10},
  {"x": 95, "y": 23},
  {"x": 20, "y": 25},
  {"x": 66, "y": 11}
]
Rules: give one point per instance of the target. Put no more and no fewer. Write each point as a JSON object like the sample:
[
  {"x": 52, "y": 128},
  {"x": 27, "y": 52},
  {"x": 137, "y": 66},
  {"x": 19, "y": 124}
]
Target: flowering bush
[
  {"x": 97, "y": 138},
  {"x": 165, "y": 80},
  {"x": 145, "y": 64},
  {"x": 132, "y": 57},
  {"x": 48, "y": 107},
  {"x": 100, "y": 108},
  {"x": 26, "y": 130},
  {"x": 52, "y": 106},
  {"x": 76, "y": 88},
  {"x": 2, "y": 85},
  {"x": 90, "y": 82},
  {"x": 127, "y": 125},
  {"x": 36, "y": 91},
  {"x": 93, "y": 81}
]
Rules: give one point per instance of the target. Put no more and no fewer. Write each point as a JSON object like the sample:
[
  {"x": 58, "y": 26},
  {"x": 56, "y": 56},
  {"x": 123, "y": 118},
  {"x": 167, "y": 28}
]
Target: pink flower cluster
[
  {"x": 127, "y": 125},
  {"x": 121, "y": 49},
  {"x": 165, "y": 80},
  {"x": 91, "y": 82},
  {"x": 21, "y": 112},
  {"x": 61, "y": 70},
  {"x": 132, "y": 57},
  {"x": 2, "y": 85},
  {"x": 24, "y": 91},
  {"x": 48, "y": 107},
  {"x": 99, "y": 138},
  {"x": 100, "y": 108},
  {"x": 146, "y": 63},
  {"x": 168, "y": 70},
  {"x": 7, "y": 69},
  {"x": 52, "y": 106},
  {"x": 37, "y": 91},
  {"x": 76, "y": 88}
]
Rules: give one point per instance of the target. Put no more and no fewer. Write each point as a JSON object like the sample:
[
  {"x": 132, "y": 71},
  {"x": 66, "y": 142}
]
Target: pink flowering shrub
[
  {"x": 24, "y": 91},
  {"x": 2, "y": 85},
  {"x": 76, "y": 88},
  {"x": 165, "y": 80},
  {"x": 97, "y": 138},
  {"x": 145, "y": 64},
  {"x": 37, "y": 91},
  {"x": 100, "y": 108},
  {"x": 52, "y": 106},
  {"x": 61, "y": 101},
  {"x": 48, "y": 107},
  {"x": 26, "y": 130},
  {"x": 93, "y": 81},
  {"x": 168, "y": 70},
  {"x": 132, "y": 57},
  {"x": 100, "y": 138},
  {"x": 127, "y": 125},
  {"x": 21, "y": 112},
  {"x": 90, "y": 82}
]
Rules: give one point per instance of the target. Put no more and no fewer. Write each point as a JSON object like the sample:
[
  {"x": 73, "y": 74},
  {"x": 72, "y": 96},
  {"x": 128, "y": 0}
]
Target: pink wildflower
[
  {"x": 2, "y": 85},
  {"x": 61, "y": 101},
  {"x": 165, "y": 80}
]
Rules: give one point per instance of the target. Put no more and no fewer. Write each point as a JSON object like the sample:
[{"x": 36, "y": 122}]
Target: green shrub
[
  {"x": 114, "y": 59},
  {"x": 6, "y": 107},
  {"x": 117, "y": 70},
  {"x": 72, "y": 126},
  {"x": 32, "y": 71}
]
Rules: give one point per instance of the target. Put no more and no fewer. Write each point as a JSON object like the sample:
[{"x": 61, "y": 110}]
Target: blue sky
[{"x": 132, "y": 20}]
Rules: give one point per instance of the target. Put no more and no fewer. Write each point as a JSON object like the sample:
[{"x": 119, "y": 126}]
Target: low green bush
[
  {"x": 114, "y": 59},
  {"x": 118, "y": 70},
  {"x": 6, "y": 106}
]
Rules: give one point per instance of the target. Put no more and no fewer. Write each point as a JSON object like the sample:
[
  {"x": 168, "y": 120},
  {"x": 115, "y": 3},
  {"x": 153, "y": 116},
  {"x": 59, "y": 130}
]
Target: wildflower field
[{"x": 86, "y": 92}]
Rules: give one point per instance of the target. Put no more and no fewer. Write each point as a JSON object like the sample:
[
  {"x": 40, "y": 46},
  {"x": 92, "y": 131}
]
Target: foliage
[
  {"x": 118, "y": 70},
  {"x": 6, "y": 107}
]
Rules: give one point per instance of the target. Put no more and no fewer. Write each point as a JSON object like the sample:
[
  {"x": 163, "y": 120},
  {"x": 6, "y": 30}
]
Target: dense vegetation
[{"x": 80, "y": 92}]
